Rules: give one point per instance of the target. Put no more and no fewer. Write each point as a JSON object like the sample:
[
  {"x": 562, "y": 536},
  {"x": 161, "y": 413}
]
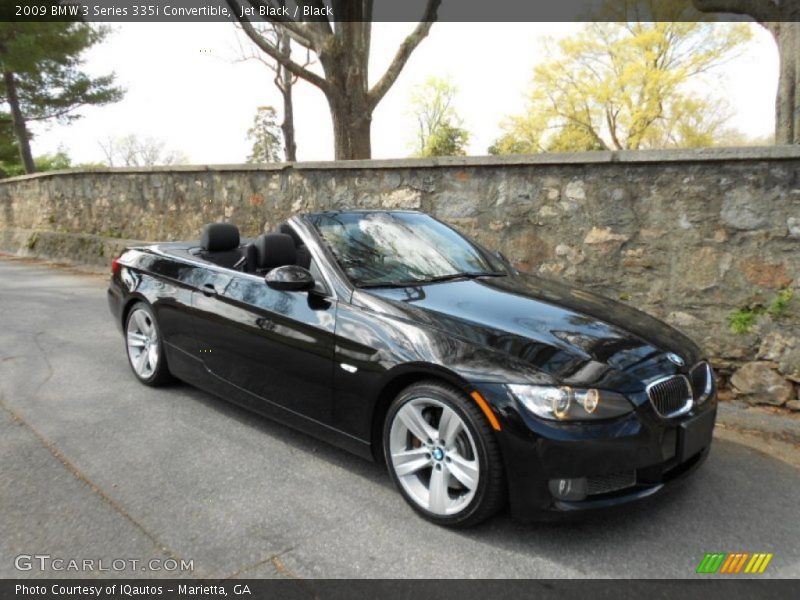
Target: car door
[{"x": 272, "y": 347}]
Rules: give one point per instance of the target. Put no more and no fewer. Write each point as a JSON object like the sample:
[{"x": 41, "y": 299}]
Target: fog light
[{"x": 568, "y": 489}]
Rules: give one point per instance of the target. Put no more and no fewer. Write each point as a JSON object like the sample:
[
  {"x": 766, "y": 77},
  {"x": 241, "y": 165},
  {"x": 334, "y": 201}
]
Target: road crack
[
  {"x": 50, "y": 371},
  {"x": 281, "y": 569},
  {"x": 93, "y": 487}
]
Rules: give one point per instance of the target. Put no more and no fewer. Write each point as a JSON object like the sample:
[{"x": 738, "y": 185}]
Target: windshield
[{"x": 397, "y": 248}]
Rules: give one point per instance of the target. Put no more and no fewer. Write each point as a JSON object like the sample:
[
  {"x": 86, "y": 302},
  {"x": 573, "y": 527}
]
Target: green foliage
[
  {"x": 742, "y": 321},
  {"x": 46, "y": 162},
  {"x": 266, "y": 136},
  {"x": 624, "y": 85},
  {"x": 53, "y": 162},
  {"x": 9, "y": 153},
  {"x": 780, "y": 304},
  {"x": 46, "y": 59},
  {"x": 447, "y": 140},
  {"x": 41, "y": 64},
  {"x": 90, "y": 165},
  {"x": 439, "y": 128}
]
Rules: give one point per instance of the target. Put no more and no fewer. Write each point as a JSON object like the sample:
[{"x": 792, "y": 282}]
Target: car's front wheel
[
  {"x": 144, "y": 346},
  {"x": 442, "y": 455}
]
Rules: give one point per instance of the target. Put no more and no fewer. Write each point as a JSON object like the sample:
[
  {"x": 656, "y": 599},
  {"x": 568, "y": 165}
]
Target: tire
[
  {"x": 437, "y": 475},
  {"x": 144, "y": 347}
]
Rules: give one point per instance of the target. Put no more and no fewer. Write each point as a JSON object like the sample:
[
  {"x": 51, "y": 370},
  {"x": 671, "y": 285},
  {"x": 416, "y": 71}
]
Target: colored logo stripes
[{"x": 738, "y": 562}]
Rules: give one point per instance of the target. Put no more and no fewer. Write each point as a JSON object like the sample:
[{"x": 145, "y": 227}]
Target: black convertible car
[{"x": 392, "y": 335}]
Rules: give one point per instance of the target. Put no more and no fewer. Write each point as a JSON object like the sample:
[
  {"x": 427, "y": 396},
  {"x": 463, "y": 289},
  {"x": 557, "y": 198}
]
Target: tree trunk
[
  {"x": 346, "y": 70},
  {"x": 351, "y": 128},
  {"x": 20, "y": 130},
  {"x": 287, "y": 125},
  {"x": 286, "y": 83},
  {"x": 782, "y": 19},
  {"x": 787, "y": 102}
]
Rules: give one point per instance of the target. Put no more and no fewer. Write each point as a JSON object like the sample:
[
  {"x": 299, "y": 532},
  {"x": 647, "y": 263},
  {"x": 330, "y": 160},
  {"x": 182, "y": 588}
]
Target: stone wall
[{"x": 693, "y": 237}]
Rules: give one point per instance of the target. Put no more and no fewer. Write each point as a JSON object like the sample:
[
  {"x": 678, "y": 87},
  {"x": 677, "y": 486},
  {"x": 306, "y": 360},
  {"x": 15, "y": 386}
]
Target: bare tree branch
[
  {"x": 323, "y": 26},
  {"x": 304, "y": 33},
  {"x": 277, "y": 55},
  {"x": 246, "y": 54},
  {"x": 408, "y": 46}
]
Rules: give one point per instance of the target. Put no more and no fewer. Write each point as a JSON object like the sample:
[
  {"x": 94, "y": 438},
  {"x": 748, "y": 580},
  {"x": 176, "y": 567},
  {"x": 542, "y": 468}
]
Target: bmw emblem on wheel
[{"x": 675, "y": 359}]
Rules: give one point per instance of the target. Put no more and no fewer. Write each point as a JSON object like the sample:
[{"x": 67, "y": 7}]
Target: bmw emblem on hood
[{"x": 675, "y": 359}]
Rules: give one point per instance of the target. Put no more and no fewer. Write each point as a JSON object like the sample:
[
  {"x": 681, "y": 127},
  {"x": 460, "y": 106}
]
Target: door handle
[
  {"x": 209, "y": 290},
  {"x": 265, "y": 324}
]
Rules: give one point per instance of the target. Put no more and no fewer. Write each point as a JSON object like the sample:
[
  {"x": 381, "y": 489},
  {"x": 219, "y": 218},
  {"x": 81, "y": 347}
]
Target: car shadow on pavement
[{"x": 298, "y": 440}]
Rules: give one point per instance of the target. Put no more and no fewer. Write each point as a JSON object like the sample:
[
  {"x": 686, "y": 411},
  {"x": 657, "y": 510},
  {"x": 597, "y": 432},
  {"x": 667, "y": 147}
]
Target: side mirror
[{"x": 290, "y": 278}]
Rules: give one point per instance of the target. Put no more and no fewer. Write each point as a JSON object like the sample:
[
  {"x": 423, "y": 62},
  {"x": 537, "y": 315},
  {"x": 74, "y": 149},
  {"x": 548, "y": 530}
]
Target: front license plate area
[{"x": 695, "y": 434}]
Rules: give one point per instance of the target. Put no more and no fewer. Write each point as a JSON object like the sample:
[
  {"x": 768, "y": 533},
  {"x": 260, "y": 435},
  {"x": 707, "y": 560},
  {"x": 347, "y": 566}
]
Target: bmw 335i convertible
[{"x": 392, "y": 335}]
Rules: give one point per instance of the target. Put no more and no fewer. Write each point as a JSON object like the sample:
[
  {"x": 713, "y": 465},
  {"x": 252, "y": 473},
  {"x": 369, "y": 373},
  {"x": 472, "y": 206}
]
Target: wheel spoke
[
  {"x": 152, "y": 357},
  {"x": 412, "y": 418},
  {"x": 141, "y": 362},
  {"x": 411, "y": 461},
  {"x": 141, "y": 323},
  {"x": 466, "y": 471},
  {"x": 136, "y": 340},
  {"x": 437, "y": 492},
  {"x": 449, "y": 426}
]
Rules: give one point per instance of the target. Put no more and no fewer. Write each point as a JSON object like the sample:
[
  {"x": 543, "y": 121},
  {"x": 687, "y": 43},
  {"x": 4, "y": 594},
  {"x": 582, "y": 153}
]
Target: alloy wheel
[
  {"x": 434, "y": 456},
  {"x": 142, "y": 339}
]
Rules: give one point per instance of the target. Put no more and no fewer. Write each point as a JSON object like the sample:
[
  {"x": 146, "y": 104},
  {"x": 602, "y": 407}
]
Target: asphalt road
[{"x": 94, "y": 465}]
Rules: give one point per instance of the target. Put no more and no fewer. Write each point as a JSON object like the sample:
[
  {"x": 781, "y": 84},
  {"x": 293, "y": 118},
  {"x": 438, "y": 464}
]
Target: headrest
[
  {"x": 275, "y": 250},
  {"x": 289, "y": 230},
  {"x": 250, "y": 257},
  {"x": 217, "y": 237}
]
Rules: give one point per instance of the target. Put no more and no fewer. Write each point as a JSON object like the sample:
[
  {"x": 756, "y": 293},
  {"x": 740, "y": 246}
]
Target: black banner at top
[{"x": 109, "y": 11}]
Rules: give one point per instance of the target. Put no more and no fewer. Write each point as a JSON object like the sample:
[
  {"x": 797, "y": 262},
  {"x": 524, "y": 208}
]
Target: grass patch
[
  {"x": 780, "y": 304},
  {"x": 743, "y": 320}
]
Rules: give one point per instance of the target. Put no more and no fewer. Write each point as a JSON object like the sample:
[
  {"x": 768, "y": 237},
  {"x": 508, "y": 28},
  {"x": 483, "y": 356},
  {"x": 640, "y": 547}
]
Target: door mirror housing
[{"x": 290, "y": 278}]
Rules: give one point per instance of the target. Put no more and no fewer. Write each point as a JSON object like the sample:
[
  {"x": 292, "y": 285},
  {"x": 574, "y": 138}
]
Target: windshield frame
[{"x": 499, "y": 265}]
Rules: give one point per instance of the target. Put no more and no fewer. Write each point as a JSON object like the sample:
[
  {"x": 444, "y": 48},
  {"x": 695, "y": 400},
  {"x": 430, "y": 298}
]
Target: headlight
[
  {"x": 703, "y": 380},
  {"x": 571, "y": 404}
]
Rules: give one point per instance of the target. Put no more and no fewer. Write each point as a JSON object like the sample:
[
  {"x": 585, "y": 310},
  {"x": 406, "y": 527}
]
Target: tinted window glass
[{"x": 377, "y": 248}]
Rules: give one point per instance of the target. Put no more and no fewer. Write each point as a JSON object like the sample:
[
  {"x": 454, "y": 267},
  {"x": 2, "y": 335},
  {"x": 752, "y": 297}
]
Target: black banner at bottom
[{"x": 440, "y": 589}]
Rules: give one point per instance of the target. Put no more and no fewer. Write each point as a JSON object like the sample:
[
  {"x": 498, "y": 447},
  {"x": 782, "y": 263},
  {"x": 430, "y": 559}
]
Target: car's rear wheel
[
  {"x": 144, "y": 346},
  {"x": 442, "y": 455}
]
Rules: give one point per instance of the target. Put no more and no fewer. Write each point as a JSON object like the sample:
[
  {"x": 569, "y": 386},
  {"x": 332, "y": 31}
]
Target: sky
[{"x": 187, "y": 85}]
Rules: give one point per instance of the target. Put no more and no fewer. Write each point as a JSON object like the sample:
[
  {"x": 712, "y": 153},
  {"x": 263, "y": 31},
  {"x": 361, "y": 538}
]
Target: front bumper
[{"x": 646, "y": 452}]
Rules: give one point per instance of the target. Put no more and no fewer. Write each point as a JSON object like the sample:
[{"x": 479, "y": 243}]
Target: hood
[{"x": 577, "y": 337}]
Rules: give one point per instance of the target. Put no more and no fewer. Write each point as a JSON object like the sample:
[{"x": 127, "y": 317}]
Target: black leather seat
[
  {"x": 303, "y": 254},
  {"x": 219, "y": 244},
  {"x": 269, "y": 251}
]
